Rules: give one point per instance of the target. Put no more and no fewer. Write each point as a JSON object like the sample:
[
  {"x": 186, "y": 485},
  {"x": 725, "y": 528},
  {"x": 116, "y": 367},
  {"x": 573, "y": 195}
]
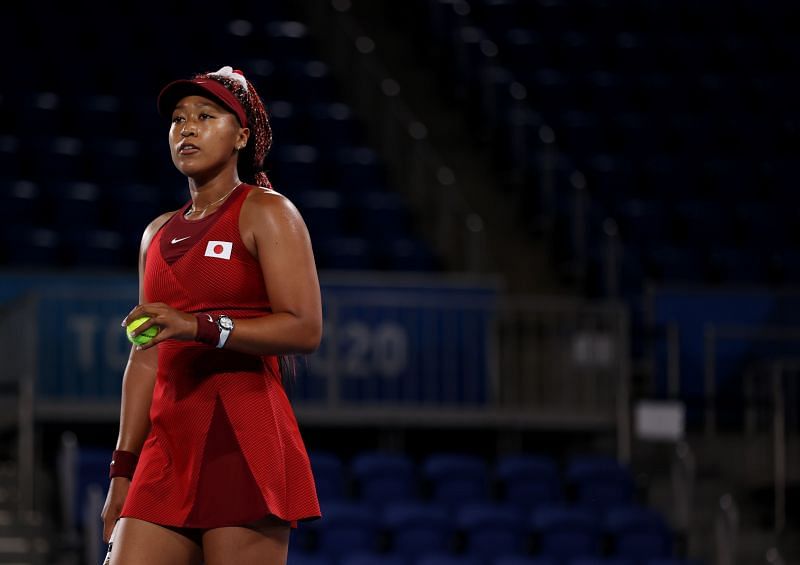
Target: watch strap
[{"x": 224, "y": 333}]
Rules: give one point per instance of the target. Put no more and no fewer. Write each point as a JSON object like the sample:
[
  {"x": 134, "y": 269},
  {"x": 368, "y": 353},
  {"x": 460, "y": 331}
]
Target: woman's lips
[{"x": 188, "y": 149}]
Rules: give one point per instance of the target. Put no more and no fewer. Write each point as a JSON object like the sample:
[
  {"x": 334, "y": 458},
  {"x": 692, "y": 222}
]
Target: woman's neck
[{"x": 204, "y": 193}]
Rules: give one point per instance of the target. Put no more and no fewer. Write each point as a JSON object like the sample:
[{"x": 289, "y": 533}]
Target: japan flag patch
[{"x": 219, "y": 249}]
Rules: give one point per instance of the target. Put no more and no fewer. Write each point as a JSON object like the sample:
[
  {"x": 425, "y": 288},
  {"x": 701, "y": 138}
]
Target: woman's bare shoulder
[
  {"x": 153, "y": 227},
  {"x": 268, "y": 204}
]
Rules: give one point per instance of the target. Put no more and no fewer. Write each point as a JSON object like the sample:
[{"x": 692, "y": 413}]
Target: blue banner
[{"x": 387, "y": 340}]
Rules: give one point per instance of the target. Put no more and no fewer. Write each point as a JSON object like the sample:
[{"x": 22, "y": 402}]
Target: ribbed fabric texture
[{"x": 179, "y": 480}]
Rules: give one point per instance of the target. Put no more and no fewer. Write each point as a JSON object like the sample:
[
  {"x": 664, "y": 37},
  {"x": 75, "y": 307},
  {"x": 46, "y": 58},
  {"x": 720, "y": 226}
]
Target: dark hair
[{"x": 251, "y": 157}]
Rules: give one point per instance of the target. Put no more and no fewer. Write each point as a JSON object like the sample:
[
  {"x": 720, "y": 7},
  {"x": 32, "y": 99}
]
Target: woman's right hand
[{"x": 117, "y": 492}]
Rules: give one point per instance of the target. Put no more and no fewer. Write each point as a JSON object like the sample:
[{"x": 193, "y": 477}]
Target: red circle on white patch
[{"x": 218, "y": 249}]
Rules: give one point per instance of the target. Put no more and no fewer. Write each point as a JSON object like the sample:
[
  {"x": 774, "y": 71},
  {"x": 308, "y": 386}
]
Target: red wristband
[
  {"x": 123, "y": 464},
  {"x": 207, "y": 329}
]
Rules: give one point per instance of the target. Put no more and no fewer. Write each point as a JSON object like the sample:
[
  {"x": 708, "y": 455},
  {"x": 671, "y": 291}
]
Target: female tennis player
[{"x": 209, "y": 464}]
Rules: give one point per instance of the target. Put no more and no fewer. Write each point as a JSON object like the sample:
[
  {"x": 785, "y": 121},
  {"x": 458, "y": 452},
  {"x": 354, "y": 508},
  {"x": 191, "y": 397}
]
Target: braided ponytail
[{"x": 251, "y": 157}]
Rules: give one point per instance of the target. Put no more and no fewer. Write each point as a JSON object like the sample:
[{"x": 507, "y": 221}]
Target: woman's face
[{"x": 204, "y": 136}]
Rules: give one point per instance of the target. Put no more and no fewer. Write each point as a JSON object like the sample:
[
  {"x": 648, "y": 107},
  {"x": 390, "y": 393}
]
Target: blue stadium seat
[
  {"x": 564, "y": 532},
  {"x": 491, "y": 528},
  {"x": 601, "y": 482},
  {"x": 302, "y": 558},
  {"x": 524, "y": 560},
  {"x": 286, "y": 121},
  {"x": 113, "y": 159},
  {"x": 601, "y": 561},
  {"x": 99, "y": 114},
  {"x": 133, "y": 205},
  {"x": 638, "y": 533},
  {"x": 323, "y": 213},
  {"x": 308, "y": 81},
  {"x": 27, "y": 246},
  {"x": 382, "y": 213},
  {"x": 73, "y": 201},
  {"x": 357, "y": 168},
  {"x": 456, "y": 478},
  {"x": 404, "y": 253},
  {"x": 672, "y": 561},
  {"x": 96, "y": 248},
  {"x": 384, "y": 477},
  {"x": 447, "y": 559},
  {"x": 288, "y": 40},
  {"x": 329, "y": 475},
  {"x": 42, "y": 112},
  {"x": 60, "y": 157},
  {"x": 347, "y": 527},
  {"x": 529, "y": 480},
  {"x": 296, "y": 167},
  {"x": 416, "y": 528},
  {"x": 10, "y": 157},
  {"x": 373, "y": 558},
  {"x": 21, "y": 202},
  {"x": 347, "y": 253},
  {"x": 334, "y": 125}
]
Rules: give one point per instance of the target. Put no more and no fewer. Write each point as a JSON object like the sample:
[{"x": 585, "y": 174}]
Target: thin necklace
[{"x": 193, "y": 210}]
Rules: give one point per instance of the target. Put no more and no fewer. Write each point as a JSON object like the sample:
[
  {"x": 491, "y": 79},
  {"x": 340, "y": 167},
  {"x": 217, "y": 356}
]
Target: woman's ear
[{"x": 241, "y": 139}]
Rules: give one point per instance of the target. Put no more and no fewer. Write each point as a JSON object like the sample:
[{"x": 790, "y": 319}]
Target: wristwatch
[{"x": 225, "y": 325}]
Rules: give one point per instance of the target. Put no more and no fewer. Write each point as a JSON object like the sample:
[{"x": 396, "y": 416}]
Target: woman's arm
[
  {"x": 138, "y": 381},
  {"x": 276, "y": 235},
  {"x": 273, "y": 230}
]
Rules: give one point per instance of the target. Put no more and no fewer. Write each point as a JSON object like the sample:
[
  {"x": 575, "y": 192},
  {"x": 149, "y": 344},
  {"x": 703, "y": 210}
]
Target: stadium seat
[
  {"x": 347, "y": 253},
  {"x": 456, "y": 478},
  {"x": 564, "y": 532},
  {"x": 372, "y": 558},
  {"x": 416, "y": 528},
  {"x": 347, "y": 527},
  {"x": 383, "y": 477},
  {"x": 134, "y": 205},
  {"x": 96, "y": 248},
  {"x": 99, "y": 114},
  {"x": 322, "y": 211},
  {"x": 524, "y": 560},
  {"x": 113, "y": 159},
  {"x": 600, "y": 481},
  {"x": 296, "y": 167},
  {"x": 36, "y": 247},
  {"x": 329, "y": 475},
  {"x": 638, "y": 533},
  {"x": 528, "y": 480},
  {"x": 60, "y": 157},
  {"x": 21, "y": 201},
  {"x": 601, "y": 561},
  {"x": 10, "y": 157},
  {"x": 334, "y": 125},
  {"x": 491, "y": 528},
  {"x": 302, "y": 558},
  {"x": 447, "y": 559},
  {"x": 75, "y": 200}
]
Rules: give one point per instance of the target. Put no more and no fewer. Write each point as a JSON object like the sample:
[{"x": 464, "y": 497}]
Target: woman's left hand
[{"x": 172, "y": 323}]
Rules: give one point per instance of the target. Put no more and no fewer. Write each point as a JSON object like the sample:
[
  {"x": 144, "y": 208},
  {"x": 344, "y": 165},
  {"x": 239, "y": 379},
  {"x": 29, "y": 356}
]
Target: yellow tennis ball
[{"x": 143, "y": 337}]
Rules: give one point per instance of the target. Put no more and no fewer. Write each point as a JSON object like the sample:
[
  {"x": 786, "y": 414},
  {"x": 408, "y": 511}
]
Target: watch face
[{"x": 225, "y": 323}]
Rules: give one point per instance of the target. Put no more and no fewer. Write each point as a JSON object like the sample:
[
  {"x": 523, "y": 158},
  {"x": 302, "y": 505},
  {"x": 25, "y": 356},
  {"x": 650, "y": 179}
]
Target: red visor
[{"x": 174, "y": 91}]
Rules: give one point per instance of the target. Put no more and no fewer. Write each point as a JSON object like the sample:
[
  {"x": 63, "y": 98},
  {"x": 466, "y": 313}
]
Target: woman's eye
[
  {"x": 205, "y": 116},
  {"x": 177, "y": 119}
]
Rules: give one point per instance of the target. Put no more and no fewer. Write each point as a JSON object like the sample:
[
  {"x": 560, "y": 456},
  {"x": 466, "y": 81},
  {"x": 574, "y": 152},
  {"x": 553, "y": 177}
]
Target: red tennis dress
[{"x": 224, "y": 448}]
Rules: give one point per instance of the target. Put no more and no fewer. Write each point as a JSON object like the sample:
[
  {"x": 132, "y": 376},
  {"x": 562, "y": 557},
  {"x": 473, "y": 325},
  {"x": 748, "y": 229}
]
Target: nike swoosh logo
[{"x": 178, "y": 240}]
